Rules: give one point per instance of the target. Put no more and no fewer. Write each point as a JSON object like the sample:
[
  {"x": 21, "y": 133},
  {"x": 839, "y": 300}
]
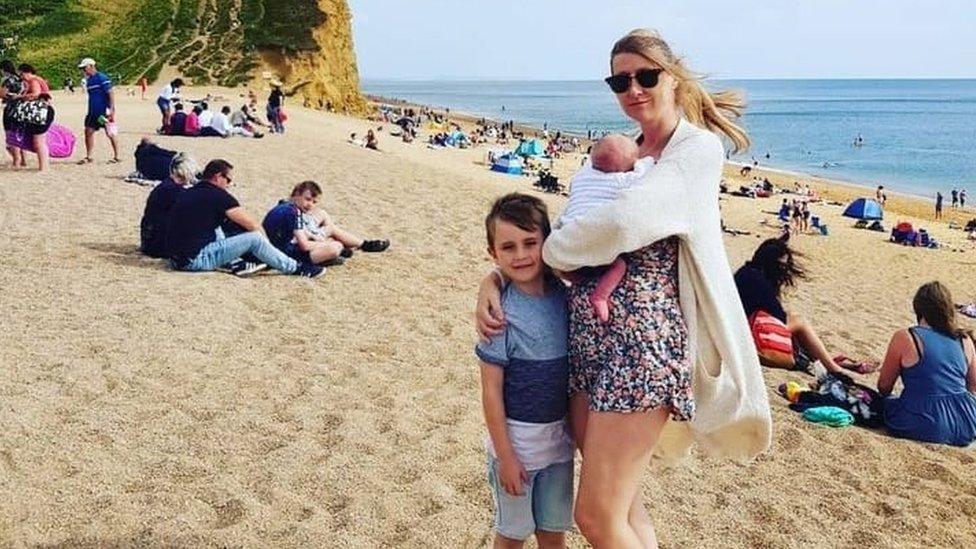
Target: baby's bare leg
[{"x": 600, "y": 298}]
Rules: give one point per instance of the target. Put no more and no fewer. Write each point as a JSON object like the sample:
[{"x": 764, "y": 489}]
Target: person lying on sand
[{"x": 307, "y": 233}]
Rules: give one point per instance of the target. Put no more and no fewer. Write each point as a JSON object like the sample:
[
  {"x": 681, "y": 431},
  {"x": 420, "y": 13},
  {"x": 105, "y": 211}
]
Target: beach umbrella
[
  {"x": 864, "y": 208},
  {"x": 508, "y": 163}
]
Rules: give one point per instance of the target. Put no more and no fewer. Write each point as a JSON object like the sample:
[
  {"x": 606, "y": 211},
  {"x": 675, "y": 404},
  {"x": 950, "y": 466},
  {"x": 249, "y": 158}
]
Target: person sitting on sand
[
  {"x": 192, "y": 127},
  {"x": 205, "y": 115},
  {"x": 220, "y": 126},
  {"x": 156, "y": 216},
  {"x": 760, "y": 282},
  {"x": 307, "y": 233},
  {"x": 613, "y": 167},
  {"x": 936, "y": 361},
  {"x": 371, "y": 141},
  {"x": 242, "y": 118},
  {"x": 177, "y": 122},
  {"x": 195, "y": 244}
]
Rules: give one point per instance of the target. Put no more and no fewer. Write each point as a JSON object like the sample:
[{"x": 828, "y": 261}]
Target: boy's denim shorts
[{"x": 546, "y": 502}]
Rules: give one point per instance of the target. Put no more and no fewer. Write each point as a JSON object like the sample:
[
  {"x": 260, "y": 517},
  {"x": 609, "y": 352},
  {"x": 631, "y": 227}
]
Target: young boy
[
  {"x": 306, "y": 233},
  {"x": 524, "y": 381}
]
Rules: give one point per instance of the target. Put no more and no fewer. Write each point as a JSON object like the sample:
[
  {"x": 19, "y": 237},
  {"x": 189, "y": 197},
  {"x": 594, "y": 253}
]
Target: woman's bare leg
[
  {"x": 637, "y": 516},
  {"x": 609, "y": 509},
  {"x": 804, "y": 332},
  {"x": 40, "y": 145}
]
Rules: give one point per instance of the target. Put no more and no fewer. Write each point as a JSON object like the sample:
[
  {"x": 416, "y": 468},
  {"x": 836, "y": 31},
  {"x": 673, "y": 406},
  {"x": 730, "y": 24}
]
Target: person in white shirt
[
  {"x": 205, "y": 116},
  {"x": 220, "y": 125},
  {"x": 167, "y": 96}
]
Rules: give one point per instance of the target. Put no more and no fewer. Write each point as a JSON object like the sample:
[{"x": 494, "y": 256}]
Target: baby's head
[{"x": 614, "y": 153}]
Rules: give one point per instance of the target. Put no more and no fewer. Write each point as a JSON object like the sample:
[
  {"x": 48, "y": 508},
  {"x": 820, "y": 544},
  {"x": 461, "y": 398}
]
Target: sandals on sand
[
  {"x": 863, "y": 367},
  {"x": 114, "y": 161},
  {"x": 84, "y": 161}
]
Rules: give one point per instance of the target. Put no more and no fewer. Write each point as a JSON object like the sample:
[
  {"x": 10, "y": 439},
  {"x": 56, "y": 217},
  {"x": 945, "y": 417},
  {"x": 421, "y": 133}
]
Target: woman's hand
[{"x": 489, "y": 318}]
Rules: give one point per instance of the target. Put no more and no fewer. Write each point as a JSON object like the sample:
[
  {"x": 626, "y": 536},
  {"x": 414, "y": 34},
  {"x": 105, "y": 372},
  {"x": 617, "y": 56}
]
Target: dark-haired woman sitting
[
  {"x": 937, "y": 364},
  {"x": 760, "y": 283}
]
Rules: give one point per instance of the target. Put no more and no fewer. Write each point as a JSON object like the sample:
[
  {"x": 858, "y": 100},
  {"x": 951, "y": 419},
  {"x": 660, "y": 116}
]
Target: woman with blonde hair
[
  {"x": 155, "y": 222},
  {"x": 936, "y": 361},
  {"x": 677, "y": 344}
]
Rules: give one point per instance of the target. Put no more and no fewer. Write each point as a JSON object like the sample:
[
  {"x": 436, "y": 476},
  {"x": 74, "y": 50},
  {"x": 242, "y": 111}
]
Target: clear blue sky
[{"x": 570, "y": 39}]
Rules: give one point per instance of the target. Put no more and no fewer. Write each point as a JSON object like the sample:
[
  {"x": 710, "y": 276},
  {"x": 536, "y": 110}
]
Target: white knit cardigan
[{"x": 679, "y": 196}]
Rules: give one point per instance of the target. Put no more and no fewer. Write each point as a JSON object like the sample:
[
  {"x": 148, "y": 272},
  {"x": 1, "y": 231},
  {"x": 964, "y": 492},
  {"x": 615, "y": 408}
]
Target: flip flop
[
  {"x": 84, "y": 161},
  {"x": 114, "y": 161}
]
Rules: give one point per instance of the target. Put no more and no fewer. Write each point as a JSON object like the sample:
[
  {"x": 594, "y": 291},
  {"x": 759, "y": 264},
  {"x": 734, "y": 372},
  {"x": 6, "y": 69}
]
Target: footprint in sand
[{"x": 228, "y": 513}]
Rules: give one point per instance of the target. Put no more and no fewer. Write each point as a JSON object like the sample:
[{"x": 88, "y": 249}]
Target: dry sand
[{"x": 146, "y": 407}]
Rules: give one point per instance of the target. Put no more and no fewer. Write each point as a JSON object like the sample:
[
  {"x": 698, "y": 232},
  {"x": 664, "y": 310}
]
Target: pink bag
[{"x": 60, "y": 141}]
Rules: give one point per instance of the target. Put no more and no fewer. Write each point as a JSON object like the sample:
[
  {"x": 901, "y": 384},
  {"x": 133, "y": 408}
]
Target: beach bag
[
  {"x": 773, "y": 339},
  {"x": 282, "y": 116},
  {"x": 35, "y": 116},
  {"x": 60, "y": 141}
]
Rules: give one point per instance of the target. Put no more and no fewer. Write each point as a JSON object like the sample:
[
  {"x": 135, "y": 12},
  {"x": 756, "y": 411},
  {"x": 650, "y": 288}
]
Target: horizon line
[{"x": 508, "y": 79}]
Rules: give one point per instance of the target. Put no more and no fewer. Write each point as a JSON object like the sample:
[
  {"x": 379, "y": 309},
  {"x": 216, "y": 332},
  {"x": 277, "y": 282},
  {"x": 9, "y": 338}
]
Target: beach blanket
[{"x": 60, "y": 141}]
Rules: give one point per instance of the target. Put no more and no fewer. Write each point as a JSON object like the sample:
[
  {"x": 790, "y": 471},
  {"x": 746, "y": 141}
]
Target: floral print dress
[{"x": 639, "y": 360}]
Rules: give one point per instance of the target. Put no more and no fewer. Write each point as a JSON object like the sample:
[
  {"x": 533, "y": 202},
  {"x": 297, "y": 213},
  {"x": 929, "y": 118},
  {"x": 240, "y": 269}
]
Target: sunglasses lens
[
  {"x": 618, "y": 82},
  {"x": 647, "y": 78}
]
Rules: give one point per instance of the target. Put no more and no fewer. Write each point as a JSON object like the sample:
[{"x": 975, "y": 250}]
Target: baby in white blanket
[{"x": 613, "y": 167}]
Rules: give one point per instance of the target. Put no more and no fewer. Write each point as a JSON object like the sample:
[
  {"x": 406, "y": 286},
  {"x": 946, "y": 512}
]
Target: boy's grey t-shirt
[{"x": 533, "y": 352}]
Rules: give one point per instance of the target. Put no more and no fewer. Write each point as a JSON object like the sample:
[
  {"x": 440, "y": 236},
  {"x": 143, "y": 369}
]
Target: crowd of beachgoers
[
  {"x": 31, "y": 125},
  {"x": 212, "y": 229},
  {"x": 560, "y": 365}
]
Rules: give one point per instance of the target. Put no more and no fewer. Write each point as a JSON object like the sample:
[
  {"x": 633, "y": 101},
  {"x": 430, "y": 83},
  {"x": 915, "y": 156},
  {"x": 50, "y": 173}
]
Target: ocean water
[{"x": 919, "y": 135}]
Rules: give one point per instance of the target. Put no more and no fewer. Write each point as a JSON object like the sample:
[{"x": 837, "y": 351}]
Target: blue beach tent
[
  {"x": 864, "y": 208},
  {"x": 508, "y": 163},
  {"x": 531, "y": 147}
]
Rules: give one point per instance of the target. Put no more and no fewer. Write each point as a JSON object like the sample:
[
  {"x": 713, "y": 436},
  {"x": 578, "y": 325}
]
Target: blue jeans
[
  {"x": 274, "y": 118},
  {"x": 224, "y": 250},
  {"x": 546, "y": 504}
]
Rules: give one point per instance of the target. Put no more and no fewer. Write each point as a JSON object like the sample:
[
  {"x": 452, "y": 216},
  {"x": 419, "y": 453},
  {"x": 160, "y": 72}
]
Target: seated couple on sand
[{"x": 189, "y": 226}]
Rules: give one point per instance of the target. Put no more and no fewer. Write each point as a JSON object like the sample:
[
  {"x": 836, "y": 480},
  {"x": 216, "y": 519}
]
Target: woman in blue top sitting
[{"x": 937, "y": 364}]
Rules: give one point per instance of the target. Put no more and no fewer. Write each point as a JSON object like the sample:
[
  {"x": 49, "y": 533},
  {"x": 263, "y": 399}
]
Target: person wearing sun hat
[{"x": 101, "y": 109}]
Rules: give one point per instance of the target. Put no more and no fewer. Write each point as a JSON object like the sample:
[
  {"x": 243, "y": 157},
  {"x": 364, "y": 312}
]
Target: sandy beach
[{"x": 145, "y": 407}]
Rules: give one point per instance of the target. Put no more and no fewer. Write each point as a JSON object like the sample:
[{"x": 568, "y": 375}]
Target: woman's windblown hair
[{"x": 714, "y": 111}]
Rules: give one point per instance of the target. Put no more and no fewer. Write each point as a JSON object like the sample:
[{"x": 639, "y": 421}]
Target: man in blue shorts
[
  {"x": 101, "y": 109},
  {"x": 307, "y": 234}
]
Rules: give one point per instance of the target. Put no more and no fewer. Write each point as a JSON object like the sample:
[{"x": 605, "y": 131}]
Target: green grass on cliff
[{"x": 211, "y": 41}]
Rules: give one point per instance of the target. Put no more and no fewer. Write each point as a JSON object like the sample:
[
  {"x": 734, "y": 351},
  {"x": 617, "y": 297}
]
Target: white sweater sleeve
[{"x": 669, "y": 200}]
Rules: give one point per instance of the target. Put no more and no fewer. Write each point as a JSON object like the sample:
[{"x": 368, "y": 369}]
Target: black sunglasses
[{"x": 647, "y": 78}]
